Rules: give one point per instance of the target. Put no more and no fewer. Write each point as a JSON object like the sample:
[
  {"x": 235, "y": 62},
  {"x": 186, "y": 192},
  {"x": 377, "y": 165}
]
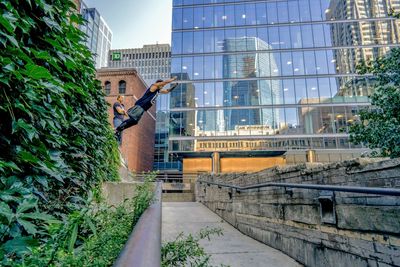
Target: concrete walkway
[{"x": 233, "y": 248}]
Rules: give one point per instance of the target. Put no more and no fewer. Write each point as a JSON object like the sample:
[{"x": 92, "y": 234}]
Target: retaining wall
[{"x": 352, "y": 230}]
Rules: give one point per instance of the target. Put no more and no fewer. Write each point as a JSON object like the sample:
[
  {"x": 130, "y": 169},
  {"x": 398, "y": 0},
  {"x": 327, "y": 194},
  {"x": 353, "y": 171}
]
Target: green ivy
[
  {"x": 379, "y": 126},
  {"x": 55, "y": 140},
  {"x": 93, "y": 235}
]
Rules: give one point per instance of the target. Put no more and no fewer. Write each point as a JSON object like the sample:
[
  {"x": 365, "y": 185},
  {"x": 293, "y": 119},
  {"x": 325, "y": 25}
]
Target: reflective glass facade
[
  {"x": 99, "y": 35},
  {"x": 271, "y": 75}
]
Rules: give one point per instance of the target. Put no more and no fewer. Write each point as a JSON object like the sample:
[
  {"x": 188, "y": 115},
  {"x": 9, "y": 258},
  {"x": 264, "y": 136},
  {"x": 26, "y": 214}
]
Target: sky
[{"x": 136, "y": 22}]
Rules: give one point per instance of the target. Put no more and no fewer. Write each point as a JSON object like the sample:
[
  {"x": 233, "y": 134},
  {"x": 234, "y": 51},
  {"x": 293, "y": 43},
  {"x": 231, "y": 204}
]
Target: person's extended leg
[
  {"x": 135, "y": 113},
  {"x": 117, "y": 122},
  {"x": 126, "y": 124}
]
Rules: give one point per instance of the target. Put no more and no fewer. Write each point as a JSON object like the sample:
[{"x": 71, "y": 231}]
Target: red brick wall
[{"x": 138, "y": 141}]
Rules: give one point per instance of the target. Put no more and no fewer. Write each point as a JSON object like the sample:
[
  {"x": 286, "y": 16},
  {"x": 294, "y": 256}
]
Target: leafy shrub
[
  {"x": 93, "y": 236},
  {"x": 55, "y": 140},
  {"x": 186, "y": 250}
]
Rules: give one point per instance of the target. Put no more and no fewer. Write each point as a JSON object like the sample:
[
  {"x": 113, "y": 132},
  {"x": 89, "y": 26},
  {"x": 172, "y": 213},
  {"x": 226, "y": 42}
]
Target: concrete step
[{"x": 178, "y": 197}]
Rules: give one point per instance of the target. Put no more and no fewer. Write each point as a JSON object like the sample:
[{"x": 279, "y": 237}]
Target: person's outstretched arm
[
  {"x": 154, "y": 87},
  {"x": 169, "y": 90}
]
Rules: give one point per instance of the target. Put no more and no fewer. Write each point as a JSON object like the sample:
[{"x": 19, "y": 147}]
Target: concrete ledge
[{"x": 178, "y": 197}]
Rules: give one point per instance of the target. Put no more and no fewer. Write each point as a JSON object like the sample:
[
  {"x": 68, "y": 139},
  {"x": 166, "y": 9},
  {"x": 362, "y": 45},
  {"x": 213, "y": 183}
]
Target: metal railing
[
  {"x": 143, "y": 248},
  {"x": 351, "y": 189}
]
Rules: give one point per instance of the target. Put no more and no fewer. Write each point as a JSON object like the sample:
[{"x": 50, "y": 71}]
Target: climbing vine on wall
[{"x": 55, "y": 141}]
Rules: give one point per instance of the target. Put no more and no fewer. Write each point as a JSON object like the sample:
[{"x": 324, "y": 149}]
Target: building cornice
[{"x": 116, "y": 71}]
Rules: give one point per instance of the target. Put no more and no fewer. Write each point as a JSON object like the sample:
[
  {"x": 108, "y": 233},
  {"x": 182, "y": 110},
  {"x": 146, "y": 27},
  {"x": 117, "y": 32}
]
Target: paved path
[{"x": 233, "y": 248}]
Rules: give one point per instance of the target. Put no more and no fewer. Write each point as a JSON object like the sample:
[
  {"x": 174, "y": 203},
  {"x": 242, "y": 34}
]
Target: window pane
[
  {"x": 250, "y": 14},
  {"x": 219, "y": 16},
  {"x": 301, "y": 91},
  {"x": 298, "y": 63},
  {"x": 176, "y": 67},
  {"x": 176, "y": 43},
  {"x": 312, "y": 91},
  {"x": 310, "y": 62},
  {"x": 177, "y": 18},
  {"x": 208, "y": 20},
  {"x": 209, "y": 94},
  {"x": 241, "y": 41},
  {"x": 292, "y": 121},
  {"x": 199, "y": 94},
  {"x": 198, "y": 17},
  {"x": 218, "y": 67},
  {"x": 240, "y": 14},
  {"x": 321, "y": 62},
  {"x": 324, "y": 90},
  {"x": 293, "y": 7},
  {"x": 208, "y": 41},
  {"x": 304, "y": 10},
  {"x": 295, "y": 36},
  {"x": 287, "y": 63},
  {"x": 273, "y": 34},
  {"x": 283, "y": 12},
  {"x": 272, "y": 13},
  {"x": 262, "y": 33},
  {"x": 198, "y": 42},
  {"x": 318, "y": 33},
  {"x": 187, "y": 18},
  {"x": 315, "y": 10},
  {"x": 209, "y": 67},
  {"x": 288, "y": 92},
  {"x": 230, "y": 41},
  {"x": 198, "y": 65},
  {"x": 307, "y": 36},
  {"x": 230, "y": 15},
  {"x": 187, "y": 67},
  {"x": 187, "y": 46},
  {"x": 219, "y": 40},
  {"x": 261, "y": 13},
  {"x": 284, "y": 37}
]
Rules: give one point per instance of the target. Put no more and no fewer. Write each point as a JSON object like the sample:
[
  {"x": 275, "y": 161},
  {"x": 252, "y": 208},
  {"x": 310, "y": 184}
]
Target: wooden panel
[
  {"x": 249, "y": 164},
  {"x": 197, "y": 165}
]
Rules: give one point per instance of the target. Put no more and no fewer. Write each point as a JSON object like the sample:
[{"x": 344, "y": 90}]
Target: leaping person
[{"x": 144, "y": 103}]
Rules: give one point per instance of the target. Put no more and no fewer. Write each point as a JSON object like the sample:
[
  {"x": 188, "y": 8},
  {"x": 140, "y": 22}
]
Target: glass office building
[
  {"x": 99, "y": 35},
  {"x": 272, "y": 75}
]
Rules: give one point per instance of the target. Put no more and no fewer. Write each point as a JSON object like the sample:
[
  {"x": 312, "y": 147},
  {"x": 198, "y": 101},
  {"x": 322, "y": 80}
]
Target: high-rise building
[
  {"x": 360, "y": 34},
  {"x": 98, "y": 33},
  {"x": 268, "y": 78},
  {"x": 152, "y": 61}
]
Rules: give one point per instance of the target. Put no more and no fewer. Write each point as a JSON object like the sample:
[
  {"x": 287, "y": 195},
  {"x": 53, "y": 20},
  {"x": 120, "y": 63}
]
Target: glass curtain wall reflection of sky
[{"x": 272, "y": 75}]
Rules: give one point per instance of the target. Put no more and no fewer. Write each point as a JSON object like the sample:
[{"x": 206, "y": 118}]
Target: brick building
[{"x": 137, "y": 141}]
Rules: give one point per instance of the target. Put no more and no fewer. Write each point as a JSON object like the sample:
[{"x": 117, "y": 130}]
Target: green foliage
[
  {"x": 379, "y": 126},
  {"x": 186, "y": 250},
  {"x": 55, "y": 140},
  {"x": 93, "y": 236}
]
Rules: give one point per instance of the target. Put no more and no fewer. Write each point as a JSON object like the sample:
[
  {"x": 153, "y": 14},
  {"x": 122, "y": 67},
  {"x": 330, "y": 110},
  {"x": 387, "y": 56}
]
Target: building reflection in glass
[{"x": 269, "y": 75}]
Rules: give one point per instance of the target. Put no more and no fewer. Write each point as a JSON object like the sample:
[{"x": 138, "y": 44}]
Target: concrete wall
[
  {"x": 361, "y": 230},
  {"x": 115, "y": 193}
]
